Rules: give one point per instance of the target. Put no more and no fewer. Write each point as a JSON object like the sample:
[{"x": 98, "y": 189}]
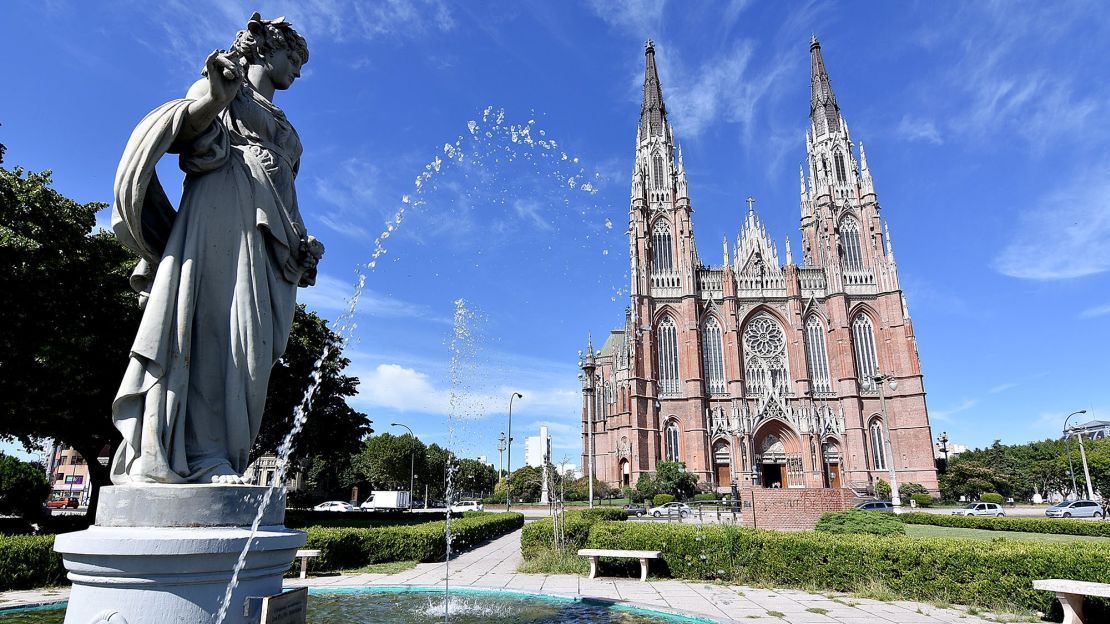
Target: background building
[
  {"x": 68, "y": 473},
  {"x": 756, "y": 371},
  {"x": 537, "y": 449}
]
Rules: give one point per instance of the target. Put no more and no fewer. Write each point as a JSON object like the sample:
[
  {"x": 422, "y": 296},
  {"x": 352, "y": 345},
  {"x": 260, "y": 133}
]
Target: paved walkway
[{"x": 494, "y": 565}]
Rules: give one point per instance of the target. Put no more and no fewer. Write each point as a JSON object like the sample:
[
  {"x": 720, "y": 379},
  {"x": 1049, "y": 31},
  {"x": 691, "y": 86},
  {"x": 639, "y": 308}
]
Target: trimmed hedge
[
  {"x": 539, "y": 536},
  {"x": 992, "y": 497},
  {"x": 1054, "y": 526},
  {"x": 661, "y": 499},
  {"x": 995, "y": 574},
  {"x": 860, "y": 521},
  {"x": 28, "y": 561},
  {"x": 352, "y": 547},
  {"x": 922, "y": 500}
]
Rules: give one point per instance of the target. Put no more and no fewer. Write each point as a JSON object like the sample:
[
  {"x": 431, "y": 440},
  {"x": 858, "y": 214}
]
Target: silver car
[{"x": 1076, "y": 509}]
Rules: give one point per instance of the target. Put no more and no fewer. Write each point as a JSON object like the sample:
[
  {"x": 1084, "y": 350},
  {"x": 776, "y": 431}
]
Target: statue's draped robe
[{"x": 218, "y": 282}]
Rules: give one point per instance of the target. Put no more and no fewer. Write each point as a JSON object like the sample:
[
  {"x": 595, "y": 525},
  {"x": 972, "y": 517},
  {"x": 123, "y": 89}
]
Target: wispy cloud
[
  {"x": 1002, "y": 387},
  {"x": 529, "y": 210},
  {"x": 1096, "y": 311},
  {"x": 331, "y": 294},
  {"x": 643, "y": 18},
  {"x": 947, "y": 414},
  {"x": 1064, "y": 234},
  {"x": 913, "y": 128}
]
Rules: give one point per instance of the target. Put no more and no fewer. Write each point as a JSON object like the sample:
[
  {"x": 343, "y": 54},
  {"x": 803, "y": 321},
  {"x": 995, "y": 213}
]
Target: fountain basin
[{"x": 425, "y": 605}]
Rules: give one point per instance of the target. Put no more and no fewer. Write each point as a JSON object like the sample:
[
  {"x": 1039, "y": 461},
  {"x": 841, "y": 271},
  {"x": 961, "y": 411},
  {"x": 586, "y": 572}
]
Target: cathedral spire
[
  {"x": 824, "y": 113},
  {"x": 653, "y": 113}
]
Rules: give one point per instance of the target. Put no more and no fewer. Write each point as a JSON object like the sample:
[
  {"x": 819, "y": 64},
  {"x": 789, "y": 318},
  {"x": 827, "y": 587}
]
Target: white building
[
  {"x": 568, "y": 470},
  {"x": 537, "y": 449}
]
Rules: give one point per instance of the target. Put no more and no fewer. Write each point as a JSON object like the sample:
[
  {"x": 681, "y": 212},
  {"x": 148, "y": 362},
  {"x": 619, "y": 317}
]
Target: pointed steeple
[
  {"x": 889, "y": 244},
  {"x": 789, "y": 254},
  {"x": 824, "y": 113},
  {"x": 724, "y": 245},
  {"x": 653, "y": 114}
]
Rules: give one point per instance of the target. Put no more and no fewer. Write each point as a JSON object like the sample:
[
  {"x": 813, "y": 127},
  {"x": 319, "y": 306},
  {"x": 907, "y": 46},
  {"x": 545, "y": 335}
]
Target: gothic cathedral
[{"x": 759, "y": 373}]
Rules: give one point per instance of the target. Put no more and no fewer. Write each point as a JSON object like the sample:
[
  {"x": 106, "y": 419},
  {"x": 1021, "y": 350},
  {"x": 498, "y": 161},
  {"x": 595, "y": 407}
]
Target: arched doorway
[
  {"x": 626, "y": 473},
  {"x": 778, "y": 458},
  {"x": 830, "y": 450},
  {"x": 722, "y": 463}
]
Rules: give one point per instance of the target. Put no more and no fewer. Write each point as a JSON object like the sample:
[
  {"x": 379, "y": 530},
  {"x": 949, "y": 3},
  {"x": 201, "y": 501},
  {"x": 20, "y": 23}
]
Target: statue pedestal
[{"x": 165, "y": 553}]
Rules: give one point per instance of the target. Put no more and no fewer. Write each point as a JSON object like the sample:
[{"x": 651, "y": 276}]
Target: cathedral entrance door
[
  {"x": 772, "y": 474},
  {"x": 832, "y": 474},
  {"x": 722, "y": 473}
]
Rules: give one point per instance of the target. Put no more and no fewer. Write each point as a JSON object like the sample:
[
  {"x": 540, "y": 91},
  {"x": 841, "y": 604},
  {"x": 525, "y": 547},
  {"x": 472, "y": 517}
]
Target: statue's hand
[
  {"x": 311, "y": 252},
  {"x": 225, "y": 76}
]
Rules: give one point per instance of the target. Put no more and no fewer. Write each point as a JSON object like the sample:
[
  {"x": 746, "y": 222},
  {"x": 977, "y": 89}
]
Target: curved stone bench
[
  {"x": 1071, "y": 593},
  {"x": 643, "y": 555}
]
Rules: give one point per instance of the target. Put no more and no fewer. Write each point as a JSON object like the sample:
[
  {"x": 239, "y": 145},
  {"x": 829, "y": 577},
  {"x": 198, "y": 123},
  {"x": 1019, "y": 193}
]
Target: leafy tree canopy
[{"x": 23, "y": 487}]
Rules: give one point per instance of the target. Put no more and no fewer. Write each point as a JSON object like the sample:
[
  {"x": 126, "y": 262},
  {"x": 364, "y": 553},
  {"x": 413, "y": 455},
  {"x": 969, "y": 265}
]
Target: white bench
[
  {"x": 642, "y": 555},
  {"x": 305, "y": 554},
  {"x": 1070, "y": 594}
]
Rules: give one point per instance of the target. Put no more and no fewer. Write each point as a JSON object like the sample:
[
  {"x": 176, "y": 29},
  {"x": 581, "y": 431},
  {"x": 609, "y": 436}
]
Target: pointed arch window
[
  {"x": 714, "y": 357},
  {"x": 661, "y": 248},
  {"x": 817, "y": 356},
  {"x": 657, "y": 171},
  {"x": 841, "y": 172},
  {"x": 765, "y": 365},
  {"x": 852, "y": 252},
  {"x": 668, "y": 358},
  {"x": 670, "y": 439},
  {"x": 863, "y": 340},
  {"x": 878, "y": 444}
]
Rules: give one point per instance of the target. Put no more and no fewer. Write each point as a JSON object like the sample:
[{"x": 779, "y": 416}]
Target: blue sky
[{"x": 985, "y": 126}]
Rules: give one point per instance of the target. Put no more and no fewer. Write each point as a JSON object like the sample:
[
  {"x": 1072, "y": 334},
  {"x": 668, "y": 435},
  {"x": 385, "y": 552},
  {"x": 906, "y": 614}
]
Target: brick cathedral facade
[{"x": 759, "y": 372}]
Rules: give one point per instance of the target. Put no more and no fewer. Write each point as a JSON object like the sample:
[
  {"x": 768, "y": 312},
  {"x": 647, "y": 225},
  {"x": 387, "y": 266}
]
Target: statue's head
[{"x": 273, "y": 45}]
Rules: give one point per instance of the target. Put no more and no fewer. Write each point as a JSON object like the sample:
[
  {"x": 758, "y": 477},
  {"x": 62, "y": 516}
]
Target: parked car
[
  {"x": 1076, "y": 509},
  {"x": 635, "y": 509},
  {"x": 981, "y": 509},
  {"x": 885, "y": 506},
  {"x": 70, "y": 502},
  {"x": 334, "y": 506},
  {"x": 471, "y": 505},
  {"x": 681, "y": 509}
]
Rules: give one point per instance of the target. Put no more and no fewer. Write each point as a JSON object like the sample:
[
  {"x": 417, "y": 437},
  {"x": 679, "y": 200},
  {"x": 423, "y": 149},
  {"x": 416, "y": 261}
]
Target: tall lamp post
[
  {"x": 412, "y": 460},
  {"x": 879, "y": 382},
  {"x": 588, "y": 366},
  {"x": 500, "y": 455},
  {"x": 1067, "y": 444},
  {"x": 943, "y": 440},
  {"x": 509, "y": 447}
]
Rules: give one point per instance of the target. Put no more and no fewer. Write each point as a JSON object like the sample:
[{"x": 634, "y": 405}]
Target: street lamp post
[
  {"x": 588, "y": 365},
  {"x": 943, "y": 440},
  {"x": 509, "y": 447},
  {"x": 1067, "y": 444},
  {"x": 412, "y": 460},
  {"x": 879, "y": 382},
  {"x": 500, "y": 455}
]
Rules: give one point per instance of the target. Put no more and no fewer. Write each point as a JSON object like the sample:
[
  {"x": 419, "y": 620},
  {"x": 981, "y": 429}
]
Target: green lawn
[{"x": 925, "y": 530}]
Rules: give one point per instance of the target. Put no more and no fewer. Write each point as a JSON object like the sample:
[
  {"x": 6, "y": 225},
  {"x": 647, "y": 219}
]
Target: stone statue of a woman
[{"x": 218, "y": 277}]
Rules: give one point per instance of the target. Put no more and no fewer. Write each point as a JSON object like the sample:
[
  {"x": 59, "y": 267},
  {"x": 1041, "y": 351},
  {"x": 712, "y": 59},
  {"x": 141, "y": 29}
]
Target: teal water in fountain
[{"x": 406, "y": 606}]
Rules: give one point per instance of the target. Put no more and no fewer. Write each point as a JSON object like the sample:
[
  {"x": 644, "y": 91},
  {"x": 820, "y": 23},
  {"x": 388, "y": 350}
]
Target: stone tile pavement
[{"x": 493, "y": 565}]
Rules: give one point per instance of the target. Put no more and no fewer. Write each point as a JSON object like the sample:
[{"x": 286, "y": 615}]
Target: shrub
[
  {"x": 907, "y": 490},
  {"x": 661, "y": 499},
  {"x": 882, "y": 490},
  {"x": 859, "y": 521},
  {"x": 604, "y": 513},
  {"x": 992, "y": 497},
  {"x": 706, "y": 496},
  {"x": 28, "y": 561},
  {"x": 1022, "y": 525},
  {"x": 922, "y": 500},
  {"x": 350, "y": 547},
  {"x": 994, "y": 574},
  {"x": 539, "y": 537}
]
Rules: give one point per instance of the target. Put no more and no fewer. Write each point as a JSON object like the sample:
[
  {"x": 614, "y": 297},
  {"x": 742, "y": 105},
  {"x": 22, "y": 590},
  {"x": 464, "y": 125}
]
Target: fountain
[{"x": 180, "y": 537}]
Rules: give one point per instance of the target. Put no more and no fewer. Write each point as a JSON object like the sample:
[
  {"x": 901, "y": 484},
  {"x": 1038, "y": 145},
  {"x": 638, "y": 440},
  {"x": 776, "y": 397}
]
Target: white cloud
[
  {"x": 331, "y": 295},
  {"x": 529, "y": 210},
  {"x": 1064, "y": 235},
  {"x": 403, "y": 389},
  {"x": 918, "y": 129},
  {"x": 643, "y": 18},
  {"x": 1095, "y": 312},
  {"x": 1002, "y": 387},
  {"x": 947, "y": 414}
]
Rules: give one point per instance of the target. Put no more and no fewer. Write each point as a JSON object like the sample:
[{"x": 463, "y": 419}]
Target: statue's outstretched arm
[{"x": 212, "y": 95}]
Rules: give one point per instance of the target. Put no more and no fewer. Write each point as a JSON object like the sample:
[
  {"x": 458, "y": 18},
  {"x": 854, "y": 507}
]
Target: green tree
[
  {"x": 526, "y": 484},
  {"x": 23, "y": 487},
  {"x": 475, "y": 478},
  {"x": 434, "y": 475},
  {"x": 971, "y": 479},
  {"x": 67, "y": 323},
  {"x": 646, "y": 487},
  {"x": 333, "y": 431},
  {"x": 673, "y": 479},
  {"x": 384, "y": 461},
  {"x": 882, "y": 490}
]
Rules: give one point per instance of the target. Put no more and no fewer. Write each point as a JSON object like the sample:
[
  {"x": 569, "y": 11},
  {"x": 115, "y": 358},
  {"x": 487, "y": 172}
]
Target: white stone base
[
  {"x": 163, "y": 554},
  {"x": 170, "y": 575}
]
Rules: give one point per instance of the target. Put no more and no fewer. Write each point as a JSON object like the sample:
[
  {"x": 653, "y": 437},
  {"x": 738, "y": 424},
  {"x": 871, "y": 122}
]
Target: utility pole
[
  {"x": 589, "y": 365},
  {"x": 500, "y": 455}
]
